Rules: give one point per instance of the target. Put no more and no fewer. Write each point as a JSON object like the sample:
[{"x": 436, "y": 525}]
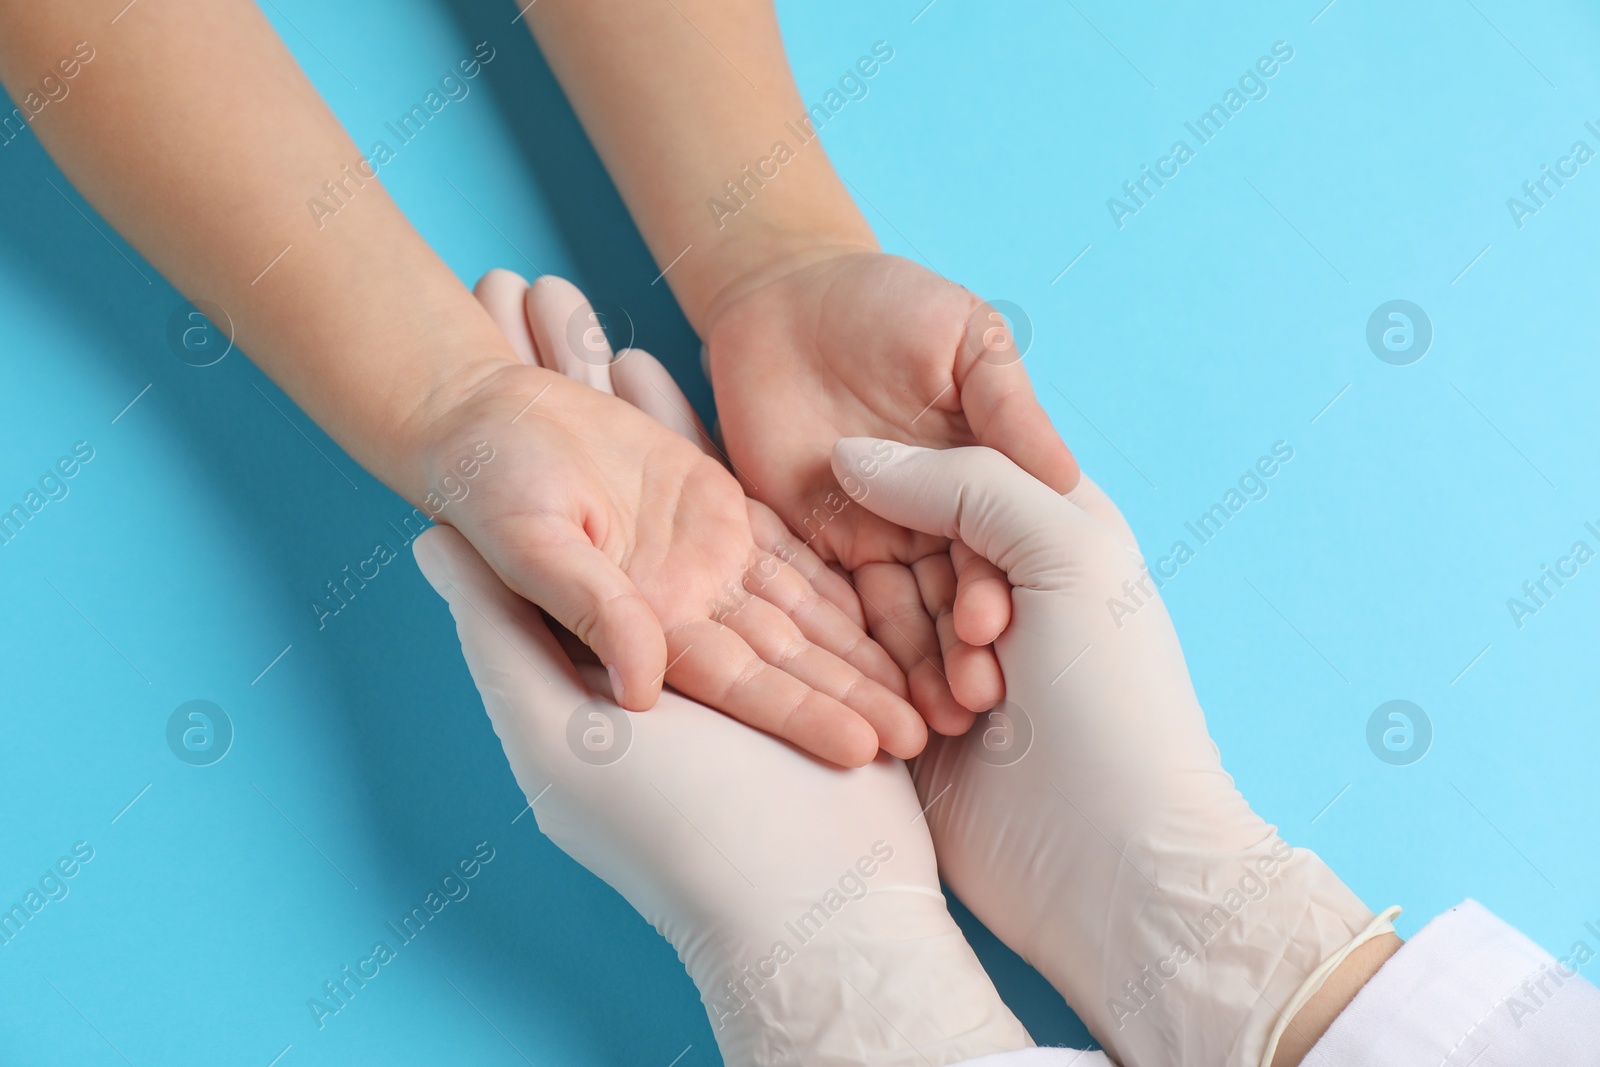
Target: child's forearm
[
  {"x": 193, "y": 131},
  {"x": 683, "y": 98}
]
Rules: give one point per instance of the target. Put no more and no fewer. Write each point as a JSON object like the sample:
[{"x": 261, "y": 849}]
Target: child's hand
[
  {"x": 645, "y": 548},
  {"x": 858, "y": 343},
  {"x": 803, "y": 899}
]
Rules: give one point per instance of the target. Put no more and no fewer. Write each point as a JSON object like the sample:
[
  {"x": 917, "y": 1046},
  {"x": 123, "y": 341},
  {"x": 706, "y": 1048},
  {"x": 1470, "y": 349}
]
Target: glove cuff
[
  {"x": 1225, "y": 948},
  {"x": 1382, "y": 923}
]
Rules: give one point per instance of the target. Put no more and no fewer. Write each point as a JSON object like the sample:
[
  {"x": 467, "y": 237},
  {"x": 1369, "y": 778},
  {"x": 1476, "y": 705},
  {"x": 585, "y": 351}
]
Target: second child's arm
[{"x": 812, "y": 332}]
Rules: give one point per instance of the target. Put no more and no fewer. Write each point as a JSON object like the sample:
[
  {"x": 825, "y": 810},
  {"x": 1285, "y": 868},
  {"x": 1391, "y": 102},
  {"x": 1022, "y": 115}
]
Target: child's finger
[
  {"x": 898, "y": 620},
  {"x": 717, "y": 667},
  {"x": 771, "y": 535},
  {"x": 972, "y": 670},
  {"x": 983, "y": 597},
  {"x": 821, "y": 621}
]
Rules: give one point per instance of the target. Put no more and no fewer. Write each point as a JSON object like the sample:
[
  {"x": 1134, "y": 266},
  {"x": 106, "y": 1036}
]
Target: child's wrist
[
  {"x": 766, "y": 241},
  {"x": 460, "y": 366}
]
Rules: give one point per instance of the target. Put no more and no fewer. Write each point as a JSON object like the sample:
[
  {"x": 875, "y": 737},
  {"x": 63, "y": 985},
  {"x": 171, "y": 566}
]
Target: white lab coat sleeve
[{"x": 1470, "y": 989}]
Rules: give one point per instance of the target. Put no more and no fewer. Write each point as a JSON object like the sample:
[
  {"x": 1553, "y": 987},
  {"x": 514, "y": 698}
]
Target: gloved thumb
[
  {"x": 502, "y": 635},
  {"x": 974, "y": 495},
  {"x": 589, "y": 596}
]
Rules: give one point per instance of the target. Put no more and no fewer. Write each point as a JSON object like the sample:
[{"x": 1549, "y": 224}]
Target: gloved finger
[
  {"x": 771, "y": 535},
  {"x": 983, "y": 597},
  {"x": 714, "y": 665},
  {"x": 504, "y": 639},
  {"x": 562, "y": 571},
  {"x": 567, "y": 333},
  {"x": 1000, "y": 406},
  {"x": 973, "y": 671},
  {"x": 777, "y": 640},
  {"x": 899, "y": 621},
  {"x": 978, "y": 496},
  {"x": 641, "y": 380},
  {"x": 501, "y": 292},
  {"x": 530, "y": 689},
  {"x": 1091, "y": 498},
  {"x": 821, "y": 622}
]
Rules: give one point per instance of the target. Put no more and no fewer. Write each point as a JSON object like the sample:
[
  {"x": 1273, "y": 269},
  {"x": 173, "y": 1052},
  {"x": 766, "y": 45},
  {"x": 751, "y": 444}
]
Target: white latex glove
[
  {"x": 803, "y": 899},
  {"x": 1088, "y": 821}
]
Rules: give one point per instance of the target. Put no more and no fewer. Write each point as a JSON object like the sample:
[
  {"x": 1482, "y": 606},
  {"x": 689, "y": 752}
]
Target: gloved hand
[
  {"x": 1088, "y": 821},
  {"x": 803, "y": 899}
]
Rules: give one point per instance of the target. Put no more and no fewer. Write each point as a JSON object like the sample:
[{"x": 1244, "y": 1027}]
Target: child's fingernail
[{"x": 616, "y": 683}]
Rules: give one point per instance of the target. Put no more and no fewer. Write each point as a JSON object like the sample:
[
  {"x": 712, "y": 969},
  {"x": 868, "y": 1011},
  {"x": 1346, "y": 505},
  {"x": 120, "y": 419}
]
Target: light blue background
[{"x": 1225, "y": 316}]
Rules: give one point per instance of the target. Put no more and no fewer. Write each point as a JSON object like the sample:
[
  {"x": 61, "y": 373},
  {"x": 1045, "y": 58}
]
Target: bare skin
[
  {"x": 1313, "y": 1020},
  {"x": 195, "y": 134},
  {"x": 813, "y": 332}
]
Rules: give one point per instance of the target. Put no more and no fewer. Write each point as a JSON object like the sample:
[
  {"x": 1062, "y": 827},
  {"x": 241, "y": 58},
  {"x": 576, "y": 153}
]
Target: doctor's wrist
[{"x": 1311, "y": 1022}]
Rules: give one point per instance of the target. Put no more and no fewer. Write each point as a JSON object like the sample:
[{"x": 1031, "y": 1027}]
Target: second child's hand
[{"x": 846, "y": 342}]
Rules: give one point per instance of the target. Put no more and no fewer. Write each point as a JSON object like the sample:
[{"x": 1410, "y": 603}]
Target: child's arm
[
  {"x": 191, "y": 129},
  {"x": 196, "y": 135},
  {"x": 812, "y": 332}
]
